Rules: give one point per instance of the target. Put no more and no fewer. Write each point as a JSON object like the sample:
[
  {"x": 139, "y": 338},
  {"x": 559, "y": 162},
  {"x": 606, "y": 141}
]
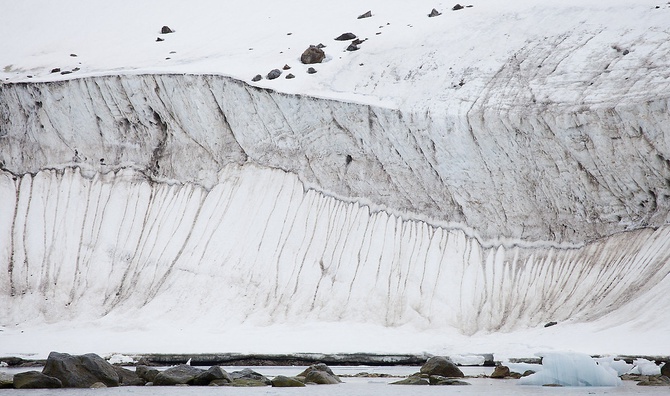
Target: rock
[
  {"x": 80, "y": 371},
  {"x": 98, "y": 385},
  {"x": 654, "y": 380},
  {"x": 166, "y": 30},
  {"x": 55, "y": 70},
  {"x": 365, "y": 15},
  {"x": 247, "y": 382},
  {"x": 146, "y": 373},
  {"x": 159, "y": 39},
  {"x": 257, "y": 77},
  {"x": 129, "y": 377},
  {"x": 35, "y": 380},
  {"x": 352, "y": 47},
  {"x": 527, "y": 373},
  {"x": 274, "y": 73},
  {"x": 214, "y": 373},
  {"x": 440, "y": 365},
  {"x": 550, "y": 324},
  {"x": 457, "y": 7},
  {"x": 286, "y": 67},
  {"x": 665, "y": 369},
  {"x": 434, "y": 13},
  {"x": 440, "y": 380},
  {"x": 65, "y": 72},
  {"x": 500, "y": 372},
  {"x": 345, "y": 36},
  {"x": 412, "y": 380},
  {"x": 357, "y": 41},
  {"x": 177, "y": 375},
  {"x": 311, "y": 70},
  {"x": 6, "y": 381},
  {"x": 320, "y": 45},
  {"x": 321, "y": 374},
  {"x": 248, "y": 374},
  {"x": 281, "y": 381},
  {"x": 312, "y": 55},
  {"x": 289, "y": 76}
]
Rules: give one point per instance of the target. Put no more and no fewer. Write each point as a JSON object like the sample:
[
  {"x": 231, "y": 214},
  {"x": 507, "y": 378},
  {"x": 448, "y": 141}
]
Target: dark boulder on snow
[
  {"x": 440, "y": 365},
  {"x": 457, "y": 7},
  {"x": 158, "y": 39},
  {"x": 80, "y": 371},
  {"x": 549, "y": 324},
  {"x": 365, "y": 15},
  {"x": 177, "y": 375},
  {"x": 257, "y": 77},
  {"x": 311, "y": 70},
  {"x": 55, "y": 70},
  {"x": 319, "y": 374},
  {"x": 166, "y": 30},
  {"x": 312, "y": 55},
  {"x": 434, "y": 13},
  {"x": 353, "y": 47},
  {"x": 274, "y": 73},
  {"x": 286, "y": 67},
  {"x": 345, "y": 36},
  {"x": 289, "y": 76},
  {"x": 35, "y": 380}
]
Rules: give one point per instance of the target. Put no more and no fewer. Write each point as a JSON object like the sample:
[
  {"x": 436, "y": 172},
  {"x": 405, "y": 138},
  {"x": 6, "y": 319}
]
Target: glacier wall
[
  {"x": 259, "y": 248},
  {"x": 503, "y": 166}
]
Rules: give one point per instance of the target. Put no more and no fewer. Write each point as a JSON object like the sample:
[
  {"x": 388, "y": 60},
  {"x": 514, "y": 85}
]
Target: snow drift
[{"x": 449, "y": 188}]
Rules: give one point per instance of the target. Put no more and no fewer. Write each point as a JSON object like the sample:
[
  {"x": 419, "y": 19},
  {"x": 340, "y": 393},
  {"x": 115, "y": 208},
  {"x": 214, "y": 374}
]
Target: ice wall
[
  {"x": 259, "y": 248},
  {"x": 498, "y": 164}
]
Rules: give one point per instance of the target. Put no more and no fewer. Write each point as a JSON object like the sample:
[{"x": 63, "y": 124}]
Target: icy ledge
[
  {"x": 498, "y": 164},
  {"x": 259, "y": 249}
]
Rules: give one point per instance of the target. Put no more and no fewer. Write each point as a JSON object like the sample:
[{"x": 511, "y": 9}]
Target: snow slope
[{"x": 467, "y": 177}]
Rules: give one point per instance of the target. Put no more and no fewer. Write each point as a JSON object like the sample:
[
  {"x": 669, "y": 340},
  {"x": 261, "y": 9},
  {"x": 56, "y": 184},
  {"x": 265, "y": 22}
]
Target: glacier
[{"x": 452, "y": 198}]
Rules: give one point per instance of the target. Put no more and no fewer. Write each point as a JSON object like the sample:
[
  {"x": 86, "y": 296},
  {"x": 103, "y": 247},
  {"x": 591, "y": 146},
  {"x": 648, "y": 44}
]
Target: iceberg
[{"x": 571, "y": 369}]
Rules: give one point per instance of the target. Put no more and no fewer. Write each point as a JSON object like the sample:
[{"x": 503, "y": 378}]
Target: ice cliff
[{"x": 493, "y": 188}]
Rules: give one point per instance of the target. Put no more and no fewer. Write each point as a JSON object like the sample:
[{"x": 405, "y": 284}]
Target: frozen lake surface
[{"x": 357, "y": 386}]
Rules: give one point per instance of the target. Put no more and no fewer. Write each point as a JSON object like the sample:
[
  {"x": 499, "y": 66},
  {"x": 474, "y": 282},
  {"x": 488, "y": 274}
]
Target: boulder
[
  {"x": 6, "y": 381},
  {"x": 35, "y": 380},
  {"x": 177, "y": 375},
  {"x": 365, "y": 15},
  {"x": 129, "y": 377},
  {"x": 439, "y": 380},
  {"x": 274, "y": 73},
  {"x": 665, "y": 369},
  {"x": 214, "y": 373},
  {"x": 166, "y": 30},
  {"x": 248, "y": 376},
  {"x": 412, "y": 380},
  {"x": 257, "y": 77},
  {"x": 434, "y": 13},
  {"x": 312, "y": 55},
  {"x": 281, "y": 381},
  {"x": 289, "y": 76},
  {"x": 319, "y": 374},
  {"x": 345, "y": 36},
  {"x": 311, "y": 70},
  {"x": 352, "y": 47},
  {"x": 146, "y": 373},
  {"x": 80, "y": 371},
  {"x": 98, "y": 385},
  {"x": 500, "y": 372},
  {"x": 457, "y": 7},
  {"x": 440, "y": 365},
  {"x": 286, "y": 67}
]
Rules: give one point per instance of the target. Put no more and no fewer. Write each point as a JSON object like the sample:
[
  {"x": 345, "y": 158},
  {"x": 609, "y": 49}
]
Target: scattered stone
[
  {"x": 146, "y": 373},
  {"x": 257, "y": 77},
  {"x": 551, "y": 324},
  {"x": 366, "y": 15},
  {"x": 214, "y": 373},
  {"x": 65, "y": 72},
  {"x": 80, "y": 371},
  {"x": 312, "y": 55},
  {"x": 434, "y": 13},
  {"x": 289, "y": 33},
  {"x": 181, "y": 374},
  {"x": 76, "y": 69},
  {"x": 289, "y": 76},
  {"x": 286, "y": 67},
  {"x": 440, "y": 380},
  {"x": 440, "y": 365},
  {"x": 412, "y": 380},
  {"x": 55, "y": 70},
  {"x": 319, "y": 374},
  {"x": 311, "y": 70},
  {"x": 73, "y": 55},
  {"x": 457, "y": 7},
  {"x": 357, "y": 41},
  {"x": 500, "y": 372},
  {"x": 320, "y": 45},
  {"x": 35, "y": 380},
  {"x": 625, "y": 52},
  {"x": 159, "y": 39},
  {"x": 345, "y": 37},
  {"x": 353, "y": 47},
  {"x": 129, "y": 377},
  {"x": 166, "y": 30},
  {"x": 274, "y": 73},
  {"x": 281, "y": 381},
  {"x": 469, "y": 6}
]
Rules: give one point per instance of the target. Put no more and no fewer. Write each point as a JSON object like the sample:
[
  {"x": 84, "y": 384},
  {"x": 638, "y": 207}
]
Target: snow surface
[
  {"x": 234, "y": 246},
  {"x": 571, "y": 369}
]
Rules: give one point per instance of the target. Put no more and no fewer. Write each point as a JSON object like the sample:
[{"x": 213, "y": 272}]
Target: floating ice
[{"x": 571, "y": 369}]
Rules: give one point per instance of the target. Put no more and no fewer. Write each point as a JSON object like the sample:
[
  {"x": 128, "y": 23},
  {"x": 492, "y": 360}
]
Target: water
[{"x": 352, "y": 386}]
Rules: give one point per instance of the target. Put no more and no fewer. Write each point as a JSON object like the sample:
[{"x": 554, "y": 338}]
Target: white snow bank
[{"x": 571, "y": 369}]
